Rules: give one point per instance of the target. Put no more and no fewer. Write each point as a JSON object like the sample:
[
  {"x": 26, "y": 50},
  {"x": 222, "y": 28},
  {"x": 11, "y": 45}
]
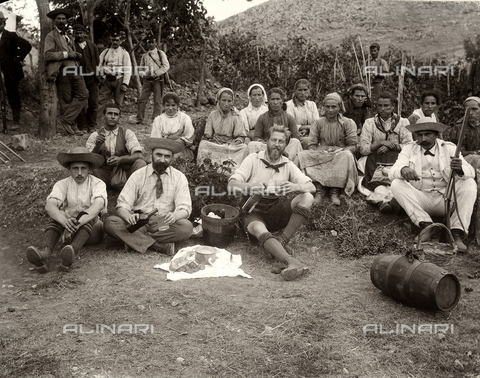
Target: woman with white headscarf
[
  {"x": 224, "y": 134},
  {"x": 256, "y": 107},
  {"x": 276, "y": 115},
  {"x": 329, "y": 161}
]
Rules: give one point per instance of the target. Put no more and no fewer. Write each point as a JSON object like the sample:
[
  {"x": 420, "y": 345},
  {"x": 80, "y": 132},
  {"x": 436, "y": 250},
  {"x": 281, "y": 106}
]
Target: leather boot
[
  {"x": 334, "y": 193},
  {"x": 67, "y": 255},
  {"x": 76, "y": 131},
  {"x": 458, "y": 236},
  {"x": 39, "y": 258},
  {"x": 164, "y": 248},
  {"x": 320, "y": 194}
]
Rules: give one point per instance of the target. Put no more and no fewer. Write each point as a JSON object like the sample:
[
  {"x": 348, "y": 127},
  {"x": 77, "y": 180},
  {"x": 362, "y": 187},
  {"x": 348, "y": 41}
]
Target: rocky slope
[{"x": 423, "y": 28}]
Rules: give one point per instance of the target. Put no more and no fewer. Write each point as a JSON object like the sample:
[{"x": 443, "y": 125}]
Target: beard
[
  {"x": 274, "y": 153},
  {"x": 160, "y": 166}
]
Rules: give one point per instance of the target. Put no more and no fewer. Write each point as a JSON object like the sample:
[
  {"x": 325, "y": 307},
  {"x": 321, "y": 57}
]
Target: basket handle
[{"x": 441, "y": 225}]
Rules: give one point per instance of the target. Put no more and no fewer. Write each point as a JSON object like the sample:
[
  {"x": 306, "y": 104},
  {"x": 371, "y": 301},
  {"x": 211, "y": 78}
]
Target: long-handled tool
[
  {"x": 13, "y": 152},
  {"x": 451, "y": 182}
]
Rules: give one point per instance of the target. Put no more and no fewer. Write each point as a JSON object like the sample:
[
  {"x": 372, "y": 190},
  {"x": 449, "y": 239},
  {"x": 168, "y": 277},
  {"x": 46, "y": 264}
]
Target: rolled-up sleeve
[
  {"x": 182, "y": 200},
  {"x": 59, "y": 191},
  {"x": 131, "y": 142},
  {"x": 99, "y": 190}
]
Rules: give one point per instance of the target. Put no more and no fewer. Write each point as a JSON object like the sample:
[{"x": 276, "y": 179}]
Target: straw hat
[
  {"x": 426, "y": 124},
  {"x": 80, "y": 154},
  {"x": 166, "y": 144}
]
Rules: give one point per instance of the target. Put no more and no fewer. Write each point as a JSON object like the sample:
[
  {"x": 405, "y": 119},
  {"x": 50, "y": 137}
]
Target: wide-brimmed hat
[
  {"x": 166, "y": 144},
  {"x": 2, "y": 16},
  {"x": 426, "y": 124},
  {"x": 54, "y": 13},
  {"x": 80, "y": 154}
]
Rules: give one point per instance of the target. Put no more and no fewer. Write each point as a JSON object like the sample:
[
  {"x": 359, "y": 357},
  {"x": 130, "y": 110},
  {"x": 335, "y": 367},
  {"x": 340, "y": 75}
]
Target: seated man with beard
[
  {"x": 271, "y": 169},
  {"x": 156, "y": 186}
]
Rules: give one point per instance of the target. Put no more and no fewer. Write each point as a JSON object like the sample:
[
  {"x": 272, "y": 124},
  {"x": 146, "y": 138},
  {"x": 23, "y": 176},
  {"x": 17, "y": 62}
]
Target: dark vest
[
  {"x": 120, "y": 148},
  {"x": 86, "y": 61}
]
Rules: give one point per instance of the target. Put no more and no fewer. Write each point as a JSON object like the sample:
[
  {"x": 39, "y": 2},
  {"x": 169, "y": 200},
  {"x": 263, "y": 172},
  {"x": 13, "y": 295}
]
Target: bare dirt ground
[{"x": 219, "y": 327}]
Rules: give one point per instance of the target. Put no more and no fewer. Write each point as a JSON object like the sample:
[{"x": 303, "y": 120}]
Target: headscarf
[
  {"x": 263, "y": 90},
  {"x": 336, "y": 97},
  {"x": 219, "y": 93},
  {"x": 474, "y": 98},
  {"x": 420, "y": 114}
]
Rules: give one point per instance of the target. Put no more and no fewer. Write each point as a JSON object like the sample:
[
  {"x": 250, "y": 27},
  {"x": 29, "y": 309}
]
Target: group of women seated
[{"x": 332, "y": 149}]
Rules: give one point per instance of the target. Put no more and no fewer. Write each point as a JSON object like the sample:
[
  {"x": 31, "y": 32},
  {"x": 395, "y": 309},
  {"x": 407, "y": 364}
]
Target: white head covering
[
  {"x": 224, "y": 89},
  {"x": 335, "y": 96},
  {"x": 261, "y": 87},
  {"x": 474, "y": 98}
]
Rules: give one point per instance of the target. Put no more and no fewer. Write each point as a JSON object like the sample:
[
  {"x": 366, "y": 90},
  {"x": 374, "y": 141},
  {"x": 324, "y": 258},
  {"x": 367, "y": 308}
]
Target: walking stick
[{"x": 451, "y": 182}]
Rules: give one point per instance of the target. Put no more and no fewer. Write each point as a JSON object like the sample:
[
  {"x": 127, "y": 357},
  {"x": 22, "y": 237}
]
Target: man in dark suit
[
  {"x": 89, "y": 63},
  {"x": 62, "y": 67},
  {"x": 13, "y": 49}
]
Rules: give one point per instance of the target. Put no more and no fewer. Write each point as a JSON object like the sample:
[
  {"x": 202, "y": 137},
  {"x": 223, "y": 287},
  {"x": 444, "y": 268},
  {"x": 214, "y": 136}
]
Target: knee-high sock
[
  {"x": 52, "y": 234},
  {"x": 81, "y": 236},
  {"x": 298, "y": 217},
  {"x": 274, "y": 247}
]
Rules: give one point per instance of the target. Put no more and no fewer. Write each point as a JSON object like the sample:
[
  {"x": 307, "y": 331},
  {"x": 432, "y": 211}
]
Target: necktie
[
  {"x": 275, "y": 167},
  {"x": 428, "y": 153},
  {"x": 159, "y": 186}
]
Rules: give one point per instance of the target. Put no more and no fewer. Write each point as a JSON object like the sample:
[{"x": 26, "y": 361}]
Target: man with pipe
[{"x": 421, "y": 174}]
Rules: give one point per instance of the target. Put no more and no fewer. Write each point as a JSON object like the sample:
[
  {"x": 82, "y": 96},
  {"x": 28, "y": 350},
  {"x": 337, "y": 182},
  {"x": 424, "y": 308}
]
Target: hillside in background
[{"x": 422, "y": 28}]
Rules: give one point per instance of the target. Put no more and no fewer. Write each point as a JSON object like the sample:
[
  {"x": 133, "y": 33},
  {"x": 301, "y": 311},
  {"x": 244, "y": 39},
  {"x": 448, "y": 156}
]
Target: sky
[{"x": 220, "y": 9}]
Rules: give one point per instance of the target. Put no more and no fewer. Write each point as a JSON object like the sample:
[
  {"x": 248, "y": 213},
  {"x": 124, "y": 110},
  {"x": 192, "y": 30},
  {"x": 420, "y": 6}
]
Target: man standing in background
[
  {"x": 88, "y": 61},
  {"x": 381, "y": 68},
  {"x": 153, "y": 79},
  {"x": 116, "y": 71},
  {"x": 13, "y": 49}
]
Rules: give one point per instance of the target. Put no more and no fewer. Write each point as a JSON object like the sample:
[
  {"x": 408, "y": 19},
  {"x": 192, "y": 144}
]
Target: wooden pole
[
  {"x": 335, "y": 68},
  {"x": 400, "y": 87},
  {"x": 358, "y": 63},
  {"x": 258, "y": 58},
  {"x": 369, "y": 90}
]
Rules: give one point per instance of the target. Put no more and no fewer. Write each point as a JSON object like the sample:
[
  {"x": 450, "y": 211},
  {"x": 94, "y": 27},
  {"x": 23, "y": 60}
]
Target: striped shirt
[{"x": 139, "y": 193}]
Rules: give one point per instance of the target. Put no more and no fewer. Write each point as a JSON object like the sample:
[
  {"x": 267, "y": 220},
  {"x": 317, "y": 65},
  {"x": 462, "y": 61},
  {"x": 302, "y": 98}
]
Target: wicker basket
[{"x": 441, "y": 254}]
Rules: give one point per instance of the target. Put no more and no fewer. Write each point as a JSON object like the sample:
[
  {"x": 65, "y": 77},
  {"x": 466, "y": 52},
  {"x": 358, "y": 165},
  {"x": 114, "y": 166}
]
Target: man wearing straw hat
[
  {"x": 421, "y": 174},
  {"x": 271, "y": 174},
  {"x": 74, "y": 206},
  {"x": 13, "y": 49},
  {"x": 62, "y": 67},
  {"x": 156, "y": 186}
]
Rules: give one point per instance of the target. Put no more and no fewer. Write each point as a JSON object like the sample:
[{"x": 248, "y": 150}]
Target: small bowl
[{"x": 205, "y": 255}]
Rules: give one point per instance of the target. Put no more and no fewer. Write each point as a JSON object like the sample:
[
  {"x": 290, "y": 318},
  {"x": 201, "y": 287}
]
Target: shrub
[
  {"x": 206, "y": 182},
  {"x": 360, "y": 229}
]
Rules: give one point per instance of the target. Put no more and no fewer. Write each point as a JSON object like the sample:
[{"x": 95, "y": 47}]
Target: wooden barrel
[{"x": 417, "y": 284}]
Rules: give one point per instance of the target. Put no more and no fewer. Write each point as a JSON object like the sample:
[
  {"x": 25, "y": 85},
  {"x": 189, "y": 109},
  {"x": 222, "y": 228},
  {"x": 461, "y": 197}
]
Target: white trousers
[{"x": 421, "y": 205}]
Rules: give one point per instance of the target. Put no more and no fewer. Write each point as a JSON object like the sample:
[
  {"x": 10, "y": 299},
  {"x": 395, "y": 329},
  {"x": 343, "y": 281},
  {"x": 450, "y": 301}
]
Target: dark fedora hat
[
  {"x": 166, "y": 144},
  {"x": 426, "y": 124},
  {"x": 54, "y": 13},
  {"x": 79, "y": 27},
  {"x": 80, "y": 154}
]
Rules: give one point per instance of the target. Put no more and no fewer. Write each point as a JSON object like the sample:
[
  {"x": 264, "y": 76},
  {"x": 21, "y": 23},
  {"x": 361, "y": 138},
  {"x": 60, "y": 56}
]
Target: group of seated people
[{"x": 270, "y": 141}]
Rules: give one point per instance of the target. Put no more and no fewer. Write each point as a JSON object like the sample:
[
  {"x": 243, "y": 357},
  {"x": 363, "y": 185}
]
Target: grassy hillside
[{"x": 423, "y": 28}]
